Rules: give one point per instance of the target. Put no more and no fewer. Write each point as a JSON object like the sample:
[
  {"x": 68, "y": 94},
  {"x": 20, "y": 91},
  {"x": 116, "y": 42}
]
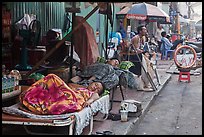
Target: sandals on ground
[{"x": 104, "y": 133}]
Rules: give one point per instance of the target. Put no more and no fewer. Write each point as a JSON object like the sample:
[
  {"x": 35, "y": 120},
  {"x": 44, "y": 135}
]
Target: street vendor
[
  {"x": 137, "y": 47},
  {"x": 139, "y": 39}
]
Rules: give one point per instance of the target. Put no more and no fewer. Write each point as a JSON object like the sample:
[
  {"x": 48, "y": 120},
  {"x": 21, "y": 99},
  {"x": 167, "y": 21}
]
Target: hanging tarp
[{"x": 85, "y": 45}]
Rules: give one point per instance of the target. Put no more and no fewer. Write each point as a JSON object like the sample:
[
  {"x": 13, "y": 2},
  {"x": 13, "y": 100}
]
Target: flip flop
[
  {"x": 108, "y": 133},
  {"x": 105, "y": 133}
]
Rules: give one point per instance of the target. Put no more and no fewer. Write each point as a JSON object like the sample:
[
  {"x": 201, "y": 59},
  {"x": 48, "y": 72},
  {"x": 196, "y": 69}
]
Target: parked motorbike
[{"x": 197, "y": 46}]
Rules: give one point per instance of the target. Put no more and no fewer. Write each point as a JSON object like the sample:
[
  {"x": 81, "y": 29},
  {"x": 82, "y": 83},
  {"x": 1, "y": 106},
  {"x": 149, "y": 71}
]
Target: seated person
[
  {"x": 166, "y": 44},
  {"x": 51, "y": 95}
]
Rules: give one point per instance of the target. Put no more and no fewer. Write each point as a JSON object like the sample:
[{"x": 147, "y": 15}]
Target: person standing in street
[
  {"x": 139, "y": 39},
  {"x": 158, "y": 36},
  {"x": 138, "y": 45}
]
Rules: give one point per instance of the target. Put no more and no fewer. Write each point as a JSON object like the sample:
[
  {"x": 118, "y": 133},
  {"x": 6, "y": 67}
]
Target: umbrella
[
  {"x": 121, "y": 14},
  {"x": 144, "y": 11}
]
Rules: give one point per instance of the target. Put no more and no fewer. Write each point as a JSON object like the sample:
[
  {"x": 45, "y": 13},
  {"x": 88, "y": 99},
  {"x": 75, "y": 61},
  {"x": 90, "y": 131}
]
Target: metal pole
[
  {"x": 106, "y": 55},
  {"x": 189, "y": 10}
]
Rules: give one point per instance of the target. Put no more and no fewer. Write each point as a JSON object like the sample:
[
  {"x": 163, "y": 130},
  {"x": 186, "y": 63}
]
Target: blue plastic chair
[{"x": 171, "y": 52}]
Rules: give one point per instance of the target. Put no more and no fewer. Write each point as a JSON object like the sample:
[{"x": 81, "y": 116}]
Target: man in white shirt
[{"x": 158, "y": 36}]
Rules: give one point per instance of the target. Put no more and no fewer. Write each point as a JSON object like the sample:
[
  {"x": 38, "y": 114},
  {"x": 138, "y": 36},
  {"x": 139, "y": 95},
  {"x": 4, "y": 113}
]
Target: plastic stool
[
  {"x": 181, "y": 73},
  {"x": 170, "y": 52}
]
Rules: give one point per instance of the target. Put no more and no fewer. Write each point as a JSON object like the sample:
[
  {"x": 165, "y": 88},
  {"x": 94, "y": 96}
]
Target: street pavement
[
  {"x": 146, "y": 98},
  {"x": 176, "y": 111},
  {"x": 118, "y": 127}
]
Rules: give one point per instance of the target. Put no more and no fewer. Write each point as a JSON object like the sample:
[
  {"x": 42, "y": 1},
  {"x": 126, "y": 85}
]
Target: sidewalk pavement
[{"x": 146, "y": 99}]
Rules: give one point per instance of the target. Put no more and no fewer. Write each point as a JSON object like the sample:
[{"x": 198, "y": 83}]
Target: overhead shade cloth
[{"x": 85, "y": 43}]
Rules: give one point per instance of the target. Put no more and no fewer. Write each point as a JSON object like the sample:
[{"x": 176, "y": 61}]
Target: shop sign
[{"x": 136, "y": 16}]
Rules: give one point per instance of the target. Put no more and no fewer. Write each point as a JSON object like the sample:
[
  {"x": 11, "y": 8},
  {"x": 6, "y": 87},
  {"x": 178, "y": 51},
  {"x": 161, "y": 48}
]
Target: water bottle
[{"x": 17, "y": 77}]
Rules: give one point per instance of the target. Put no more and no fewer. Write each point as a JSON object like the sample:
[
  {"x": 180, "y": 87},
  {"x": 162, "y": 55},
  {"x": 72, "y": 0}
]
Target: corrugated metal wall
[{"x": 50, "y": 14}]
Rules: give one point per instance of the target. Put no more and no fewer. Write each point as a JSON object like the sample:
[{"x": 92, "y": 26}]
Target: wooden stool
[{"x": 181, "y": 73}]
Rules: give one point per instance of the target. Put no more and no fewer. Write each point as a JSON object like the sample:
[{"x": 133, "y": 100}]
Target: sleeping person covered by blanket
[
  {"x": 51, "y": 95},
  {"x": 109, "y": 73}
]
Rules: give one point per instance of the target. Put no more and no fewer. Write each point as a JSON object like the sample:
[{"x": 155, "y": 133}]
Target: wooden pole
[{"x": 61, "y": 42}]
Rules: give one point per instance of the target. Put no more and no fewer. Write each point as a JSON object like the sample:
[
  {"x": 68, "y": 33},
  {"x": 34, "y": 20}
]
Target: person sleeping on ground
[
  {"x": 51, "y": 95},
  {"x": 102, "y": 72},
  {"x": 111, "y": 73}
]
